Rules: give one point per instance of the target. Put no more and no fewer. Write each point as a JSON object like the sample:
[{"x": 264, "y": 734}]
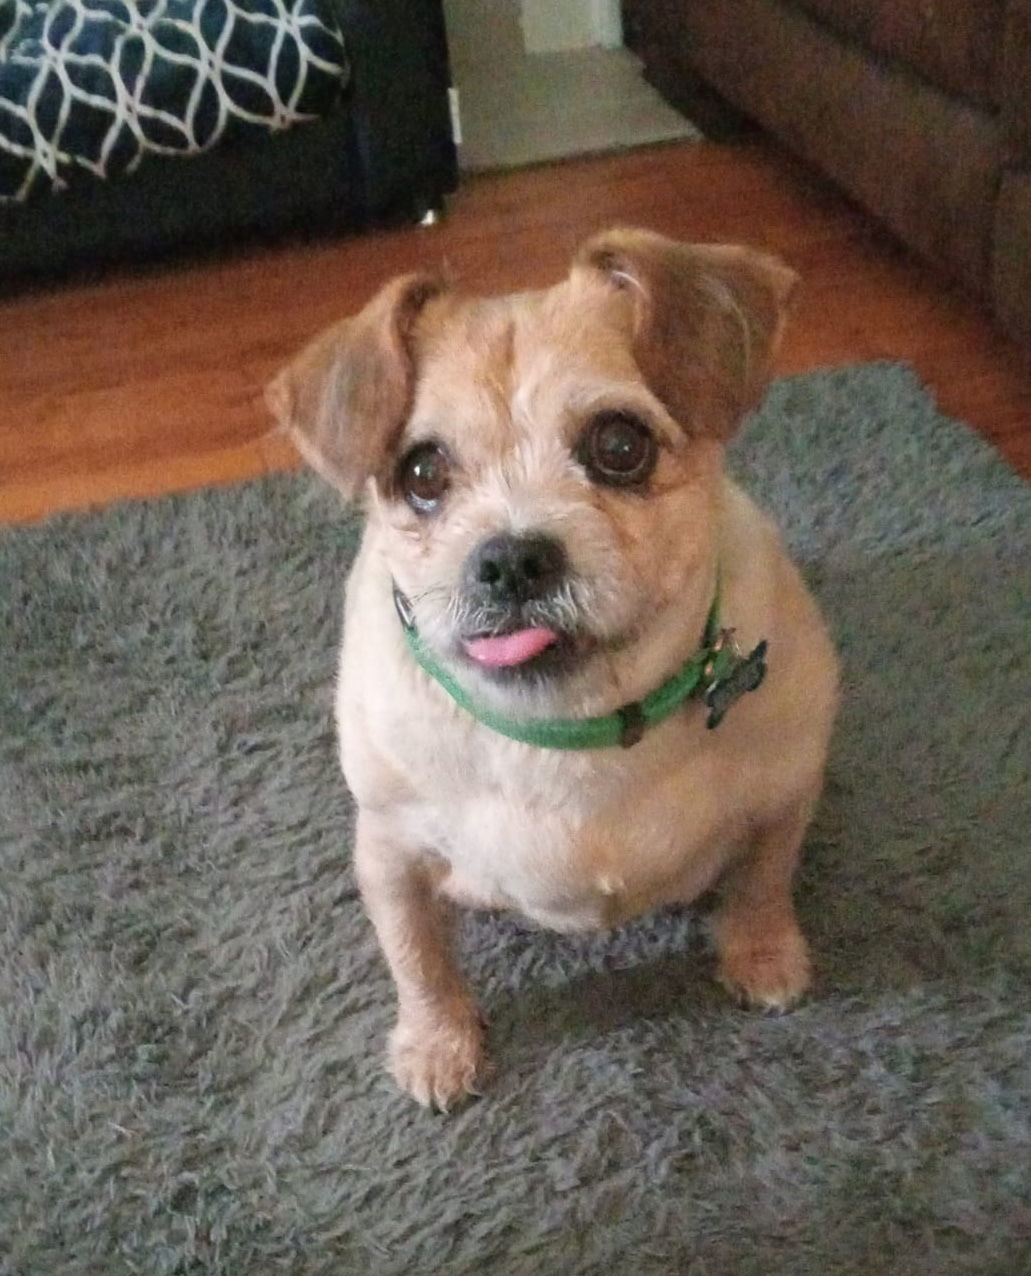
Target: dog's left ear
[
  {"x": 706, "y": 320},
  {"x": 344, "y": 399}
]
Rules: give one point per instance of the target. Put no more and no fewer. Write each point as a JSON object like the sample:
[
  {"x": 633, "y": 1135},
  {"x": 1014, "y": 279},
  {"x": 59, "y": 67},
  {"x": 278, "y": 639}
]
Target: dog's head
[{"x": 542, "y": 471}]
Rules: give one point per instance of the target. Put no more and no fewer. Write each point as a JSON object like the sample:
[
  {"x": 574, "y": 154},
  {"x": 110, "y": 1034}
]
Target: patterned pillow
[{"x": 88, "y": 87}]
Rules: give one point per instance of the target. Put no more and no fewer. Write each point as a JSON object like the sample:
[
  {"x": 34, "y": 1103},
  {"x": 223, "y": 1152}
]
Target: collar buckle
[{"x": 632, "y": 723}]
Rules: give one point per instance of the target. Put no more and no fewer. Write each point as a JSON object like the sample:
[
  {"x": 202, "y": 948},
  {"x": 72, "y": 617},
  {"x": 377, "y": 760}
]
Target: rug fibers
[{"x": 192, "y": 1005}]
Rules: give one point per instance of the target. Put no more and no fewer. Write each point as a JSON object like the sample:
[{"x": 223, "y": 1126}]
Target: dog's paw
[
  {"x": 768, "y": 972},
  {"x": 438, "y": 1058}
]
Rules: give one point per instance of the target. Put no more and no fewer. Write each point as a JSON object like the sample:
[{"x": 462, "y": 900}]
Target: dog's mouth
[
  {"x": 519, "y": 652},
  {"x": 525, "y": 640},
  {"x": 509, "y": 651}
]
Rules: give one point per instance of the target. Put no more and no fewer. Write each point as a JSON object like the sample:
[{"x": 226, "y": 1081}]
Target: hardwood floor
[{"x": 151, "y": 383}]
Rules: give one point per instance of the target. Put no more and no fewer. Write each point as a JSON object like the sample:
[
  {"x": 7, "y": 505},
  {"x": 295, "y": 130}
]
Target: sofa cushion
[
  {"x": 1015, "y": 85},
  {"x": 926, "y": 162},
  {"x": 955, "y": 44},
  {"x": 88, "y": 88}
]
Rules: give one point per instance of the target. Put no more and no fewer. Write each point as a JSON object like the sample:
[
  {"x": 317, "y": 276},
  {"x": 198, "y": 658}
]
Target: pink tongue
[{"x": 510, "y": 649}]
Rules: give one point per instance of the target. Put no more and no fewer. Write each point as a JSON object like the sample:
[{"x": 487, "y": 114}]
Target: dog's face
[{"x": 542, "y": 471}]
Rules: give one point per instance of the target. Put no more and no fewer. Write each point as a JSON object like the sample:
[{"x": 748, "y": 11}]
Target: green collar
[{"x": 719, "y": 671}]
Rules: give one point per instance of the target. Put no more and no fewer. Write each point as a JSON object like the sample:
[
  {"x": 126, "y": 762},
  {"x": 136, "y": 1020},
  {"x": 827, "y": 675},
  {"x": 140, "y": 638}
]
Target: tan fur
[{"x": 684, "y": 336}]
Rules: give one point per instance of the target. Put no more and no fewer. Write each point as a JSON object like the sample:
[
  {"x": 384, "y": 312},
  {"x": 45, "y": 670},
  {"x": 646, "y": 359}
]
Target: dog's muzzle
[
  {"x": 515, "y": 621},
  {"x": 510, "y": 570}
]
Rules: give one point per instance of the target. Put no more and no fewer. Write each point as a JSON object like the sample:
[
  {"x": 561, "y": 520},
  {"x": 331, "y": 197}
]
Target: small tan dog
[{"x": 555, "y": 566}]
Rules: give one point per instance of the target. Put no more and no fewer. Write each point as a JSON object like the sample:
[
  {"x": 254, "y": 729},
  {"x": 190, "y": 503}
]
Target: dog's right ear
[{"x": 344, "y": 399}]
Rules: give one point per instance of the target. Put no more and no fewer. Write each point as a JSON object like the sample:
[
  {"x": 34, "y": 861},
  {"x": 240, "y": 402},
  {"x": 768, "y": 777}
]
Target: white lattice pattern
[{"x": 89, "y": 87}]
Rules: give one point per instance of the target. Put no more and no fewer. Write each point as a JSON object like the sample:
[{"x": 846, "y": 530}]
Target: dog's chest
[{"x": 573, "y": 844}]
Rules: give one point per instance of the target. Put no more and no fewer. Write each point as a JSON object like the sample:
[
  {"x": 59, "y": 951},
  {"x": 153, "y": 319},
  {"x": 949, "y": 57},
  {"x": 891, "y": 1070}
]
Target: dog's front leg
[
  {"x": 763, "y": 955},
  {"x": 436, "y": 1049}
]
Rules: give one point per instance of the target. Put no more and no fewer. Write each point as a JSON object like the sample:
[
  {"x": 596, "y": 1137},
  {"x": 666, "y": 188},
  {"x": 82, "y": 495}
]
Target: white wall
[
  {"x": 550, "y": 25},
  {"x": 482, "y": 32},
  {"x": 478, "y": 30}
]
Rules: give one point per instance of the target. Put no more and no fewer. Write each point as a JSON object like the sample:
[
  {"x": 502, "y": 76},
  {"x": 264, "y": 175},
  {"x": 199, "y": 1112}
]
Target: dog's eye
[
  {"x": 423, "y": 477},
  {"x": 618, "y": 449}
]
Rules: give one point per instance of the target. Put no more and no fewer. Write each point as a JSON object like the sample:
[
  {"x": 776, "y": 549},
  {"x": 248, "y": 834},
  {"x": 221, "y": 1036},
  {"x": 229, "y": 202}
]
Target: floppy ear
[
  {"x": 706, "y": 320},
  {"x": 344, "y": 399}
]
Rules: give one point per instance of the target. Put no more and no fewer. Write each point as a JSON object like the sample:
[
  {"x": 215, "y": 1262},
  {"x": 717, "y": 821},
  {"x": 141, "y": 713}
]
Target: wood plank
[{"x": 152, "y": 382}]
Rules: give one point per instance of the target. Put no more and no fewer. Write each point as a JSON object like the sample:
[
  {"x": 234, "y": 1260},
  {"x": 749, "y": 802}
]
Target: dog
[{"x": 580, "y": 677}]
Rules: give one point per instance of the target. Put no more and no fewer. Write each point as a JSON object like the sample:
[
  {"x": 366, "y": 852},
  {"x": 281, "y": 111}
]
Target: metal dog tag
[{"x": 745, "y": 674}]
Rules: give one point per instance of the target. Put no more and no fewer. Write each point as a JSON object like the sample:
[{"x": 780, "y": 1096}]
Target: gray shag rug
[{"x": 193, "y": 1007}]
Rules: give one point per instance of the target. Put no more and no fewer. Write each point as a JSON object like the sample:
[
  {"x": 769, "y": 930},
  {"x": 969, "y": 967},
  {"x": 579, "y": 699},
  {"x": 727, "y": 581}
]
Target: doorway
[{"x": 541, "y": 80}]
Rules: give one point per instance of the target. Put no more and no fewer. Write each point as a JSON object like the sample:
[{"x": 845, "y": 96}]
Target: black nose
[{"x": 515, "y": 569}]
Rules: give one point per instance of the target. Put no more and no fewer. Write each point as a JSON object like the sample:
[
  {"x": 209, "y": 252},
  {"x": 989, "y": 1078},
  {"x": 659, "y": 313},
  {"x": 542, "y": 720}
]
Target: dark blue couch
[{"x": 384, "y": 152}]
